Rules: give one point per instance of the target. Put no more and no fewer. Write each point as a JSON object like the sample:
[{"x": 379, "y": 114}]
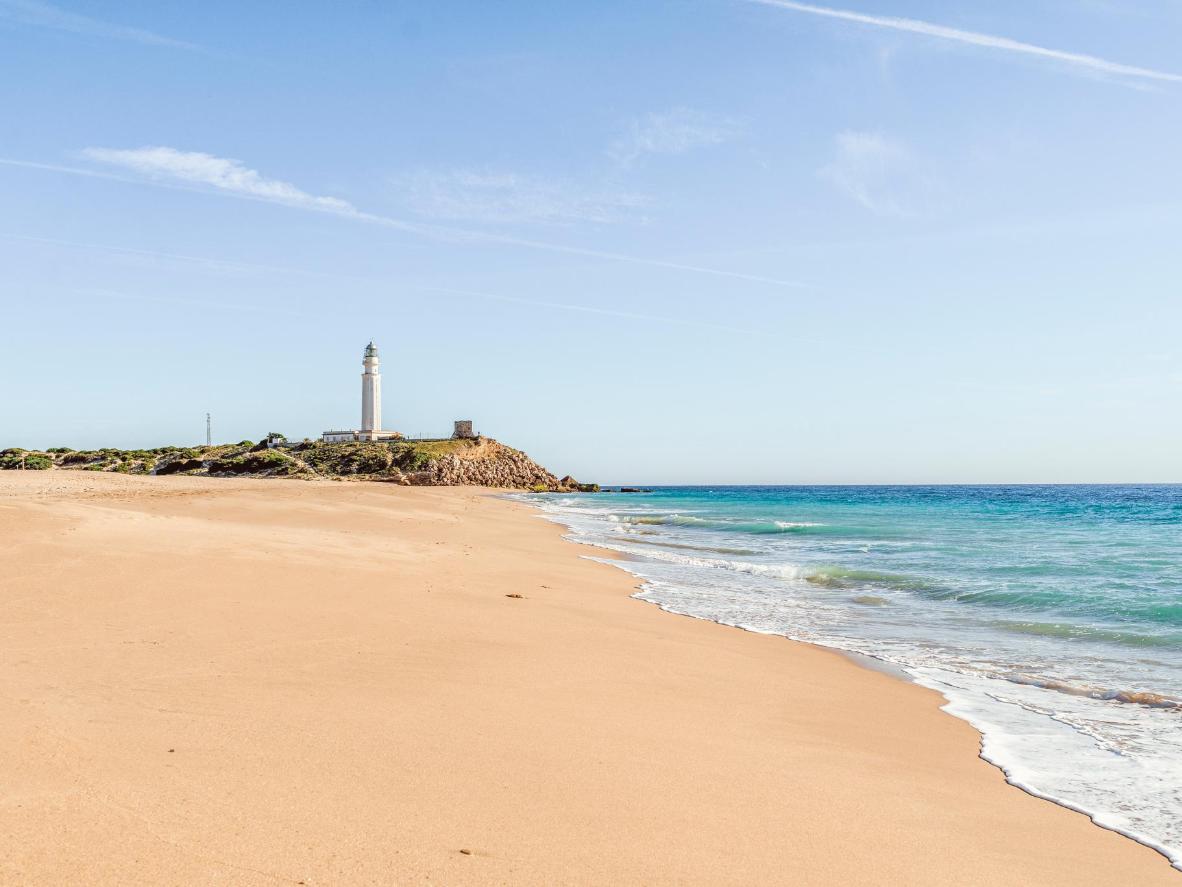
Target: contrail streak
[
  {"x": 988, "y": 41},
  {"x": 436, "y": 232},
  {"x": 31, "y": 12},
  {"x": 278, "y": 269}
]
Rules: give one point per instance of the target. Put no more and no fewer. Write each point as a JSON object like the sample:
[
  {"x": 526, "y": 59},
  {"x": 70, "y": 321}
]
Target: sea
[{"x": 1050, "y": 617}]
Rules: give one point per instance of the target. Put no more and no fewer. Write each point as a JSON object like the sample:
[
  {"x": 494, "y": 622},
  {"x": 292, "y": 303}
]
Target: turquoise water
[{"x": 1050, "y": 617}]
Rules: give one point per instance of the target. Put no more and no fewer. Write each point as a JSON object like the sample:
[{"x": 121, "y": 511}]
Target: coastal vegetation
[
  {"x": 445, "y": 462},
  {"x": 23, "y": 459}
]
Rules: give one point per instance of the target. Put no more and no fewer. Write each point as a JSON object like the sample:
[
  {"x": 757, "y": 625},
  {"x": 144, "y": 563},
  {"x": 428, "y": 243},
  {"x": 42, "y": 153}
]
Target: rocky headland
[{"x": 479, "y": 461}]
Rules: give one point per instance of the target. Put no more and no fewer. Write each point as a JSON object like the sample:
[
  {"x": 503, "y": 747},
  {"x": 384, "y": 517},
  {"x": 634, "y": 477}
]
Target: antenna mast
[{"x": 208, "y": 435}]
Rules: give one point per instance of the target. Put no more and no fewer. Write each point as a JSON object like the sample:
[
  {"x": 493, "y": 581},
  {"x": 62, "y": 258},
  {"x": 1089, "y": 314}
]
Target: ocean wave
[
  {"x": 842, "y": 577},
  {"x": 632, "y": 540},
  {"x": 755, "y": 527},
  {"x": 1133, "y": 697},
  {"x": 773, "y": 571},
  {"x": 1072, "y": 631},
  {"x": 835, "y": 577},
  {"x": 828, "y": 577}
]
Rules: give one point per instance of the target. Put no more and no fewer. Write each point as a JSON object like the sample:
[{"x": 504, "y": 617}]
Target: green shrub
[
  {"x": 409, "y": 457},
  {"x": 25, "y": 460},
  {"x": 371, "y": 460},
  {"x": 266, "y": 460},
  {"x": 59, "y": 450},
  {"x": 269, "y": 459},
  {"x": 178, "y": 465}
]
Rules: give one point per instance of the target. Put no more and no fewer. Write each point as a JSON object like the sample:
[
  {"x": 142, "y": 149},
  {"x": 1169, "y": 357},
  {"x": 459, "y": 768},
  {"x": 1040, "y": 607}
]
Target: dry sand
[{"x": 224, "y": 682}]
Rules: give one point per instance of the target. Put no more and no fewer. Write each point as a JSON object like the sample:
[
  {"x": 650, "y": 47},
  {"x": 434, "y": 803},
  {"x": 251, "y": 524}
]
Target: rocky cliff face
[
  {"x": 490, "y": 465},
  {"x": 478, "y": 461}
]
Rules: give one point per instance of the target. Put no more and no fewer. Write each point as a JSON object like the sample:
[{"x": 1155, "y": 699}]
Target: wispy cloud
[
  {"x": 501, "y": 197},
  {"x": 45, "y": 15},
  {"x": 206, "y": 169},
  {"x": 201, "y": 176},
  {"x": 973, "y": 38},
  {"x": 672, "y": 132},
  {"x": 867, "y": 167}
]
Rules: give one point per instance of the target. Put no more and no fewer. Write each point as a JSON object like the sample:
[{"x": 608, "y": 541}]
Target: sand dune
[{"x": 235, "y": 682}]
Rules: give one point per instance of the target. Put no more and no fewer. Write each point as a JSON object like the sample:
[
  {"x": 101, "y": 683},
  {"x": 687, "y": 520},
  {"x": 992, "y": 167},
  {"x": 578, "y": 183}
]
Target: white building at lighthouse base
[{"x": 344, "y": 436}]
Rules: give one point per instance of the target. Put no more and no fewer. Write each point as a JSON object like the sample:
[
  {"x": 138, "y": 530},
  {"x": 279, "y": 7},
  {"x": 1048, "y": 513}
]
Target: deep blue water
[{"x": 1050, "y": 616}]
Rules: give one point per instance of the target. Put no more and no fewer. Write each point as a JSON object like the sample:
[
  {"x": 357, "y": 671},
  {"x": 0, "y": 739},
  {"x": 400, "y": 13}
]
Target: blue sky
[{"x": 717, "y": 241}]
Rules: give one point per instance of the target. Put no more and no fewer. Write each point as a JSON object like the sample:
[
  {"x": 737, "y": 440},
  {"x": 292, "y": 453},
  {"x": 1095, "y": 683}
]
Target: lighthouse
[
  {"x": 371, "y": 404},
  {"x": 371, "y": 394}
]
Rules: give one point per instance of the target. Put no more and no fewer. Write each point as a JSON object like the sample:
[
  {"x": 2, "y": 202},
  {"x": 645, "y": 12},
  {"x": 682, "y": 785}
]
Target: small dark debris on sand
[
  {"x": 465, "y": 851},
  {"x": 519, "y": 596}
]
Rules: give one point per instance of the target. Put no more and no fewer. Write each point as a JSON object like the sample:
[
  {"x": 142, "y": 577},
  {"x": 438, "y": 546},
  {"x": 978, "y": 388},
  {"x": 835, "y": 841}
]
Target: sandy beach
[{"x": 256, "y": 682}]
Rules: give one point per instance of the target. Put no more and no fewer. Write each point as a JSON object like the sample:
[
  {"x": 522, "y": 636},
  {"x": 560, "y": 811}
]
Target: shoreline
[
  {"x": 956, "y": 706},
  {"x": 896, "y": 672},
  {"x": 272, "y": 681}
]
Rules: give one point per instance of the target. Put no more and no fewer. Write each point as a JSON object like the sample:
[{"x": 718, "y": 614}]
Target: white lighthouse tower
[
  {"x": 371, "y": 394},
  {"x": 371, "y": 404}
]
